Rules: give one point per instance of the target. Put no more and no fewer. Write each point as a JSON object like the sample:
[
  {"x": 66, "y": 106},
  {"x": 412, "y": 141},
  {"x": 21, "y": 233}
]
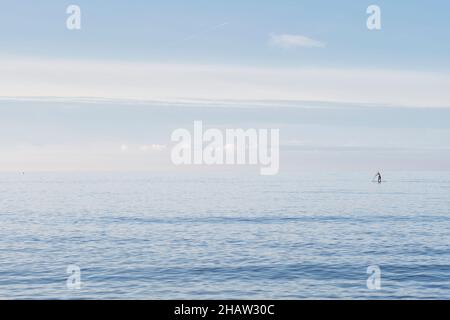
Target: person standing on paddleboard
[{"x": 379, "y": 176}]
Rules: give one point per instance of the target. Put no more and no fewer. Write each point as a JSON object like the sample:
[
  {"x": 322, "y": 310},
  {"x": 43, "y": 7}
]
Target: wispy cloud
[
  {"x": 25, "y": 78},
  {"x": 294, "y": 40},
  {"x": 206, "y": 30}
]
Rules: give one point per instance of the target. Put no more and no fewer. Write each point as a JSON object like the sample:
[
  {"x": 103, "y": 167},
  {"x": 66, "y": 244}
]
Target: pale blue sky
[
  {"x": 355, "y": 99},
  {"x": 415, "y": 34}
]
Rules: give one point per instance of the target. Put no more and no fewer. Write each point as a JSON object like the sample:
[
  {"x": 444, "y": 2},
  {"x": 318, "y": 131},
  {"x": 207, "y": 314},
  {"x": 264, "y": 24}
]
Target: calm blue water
[{"x": 150, "y": 236}]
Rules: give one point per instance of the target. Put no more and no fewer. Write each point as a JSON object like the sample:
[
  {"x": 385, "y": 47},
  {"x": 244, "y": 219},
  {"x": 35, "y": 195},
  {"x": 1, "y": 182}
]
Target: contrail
[{"x": 195, "y": 35}]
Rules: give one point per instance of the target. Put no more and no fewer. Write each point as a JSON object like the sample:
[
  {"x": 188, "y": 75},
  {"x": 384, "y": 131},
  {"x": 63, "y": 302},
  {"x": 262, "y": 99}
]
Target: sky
[
  {"x": 107, "y": 97},
  {"x": 414, "y": 33}
]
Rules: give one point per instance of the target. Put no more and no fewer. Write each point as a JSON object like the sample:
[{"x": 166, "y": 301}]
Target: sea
[{"x": 224, "y": 236}]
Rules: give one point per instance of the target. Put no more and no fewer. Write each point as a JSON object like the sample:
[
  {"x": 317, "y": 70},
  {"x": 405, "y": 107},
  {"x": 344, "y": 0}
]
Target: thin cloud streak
[
  {"x": 25, "y": 78},
  {"x": 294, "y": 40},
  {"x": 196, "y": 35}
]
